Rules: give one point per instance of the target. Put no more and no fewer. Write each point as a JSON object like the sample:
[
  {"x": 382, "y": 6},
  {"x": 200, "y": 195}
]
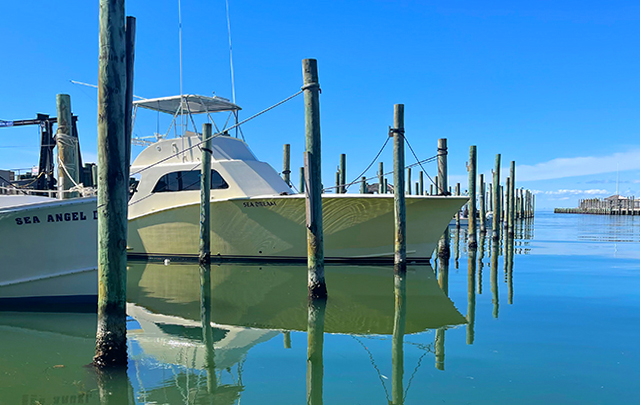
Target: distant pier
[{"x": 614, "y": 205}]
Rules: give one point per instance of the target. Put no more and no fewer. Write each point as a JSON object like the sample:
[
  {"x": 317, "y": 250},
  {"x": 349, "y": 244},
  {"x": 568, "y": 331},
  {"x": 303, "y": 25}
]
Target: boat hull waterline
[{"x": 356, "y": 228}]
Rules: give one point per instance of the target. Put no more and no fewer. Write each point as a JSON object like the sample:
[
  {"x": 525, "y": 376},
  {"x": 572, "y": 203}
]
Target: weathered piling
[
  {"x": 482, "y": 214},
  {"x": 473, "y": 167},
  {"x": 130, "y": 41},
  {"x": 496, "y": 199},
  {"x": 111, "y": 340},
  {"x": 430, "y": 189},
  {"x": 513, "y": 200},
  {"x": 302, "y": 180},
  {"x": 457, "y": 192},
  {"x": 508, "y": 206},
  {"x": 408, "y": 181},
  {"x": 315, "y": 243},
  {"x": 397, "y": 344},
  {"x": 381, "y": 186},
  {"x": 338, "y": 187},
  {"x": 343, "y": 173},
  {"x": 363, "y": 185},
  {"x": 400, "y": 256},
  {"x": 315, "y": 345},
  {"x": 442, "y": 167},
  {"x": 204, "y": 255},
  {"x": 67, "y": 143},
  {"x": 286, "y": 164},
  {"x": 421, "y": 183}
]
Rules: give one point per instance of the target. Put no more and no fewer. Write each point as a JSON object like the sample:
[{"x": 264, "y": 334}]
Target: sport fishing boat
[{"x": 255, "y": 215}]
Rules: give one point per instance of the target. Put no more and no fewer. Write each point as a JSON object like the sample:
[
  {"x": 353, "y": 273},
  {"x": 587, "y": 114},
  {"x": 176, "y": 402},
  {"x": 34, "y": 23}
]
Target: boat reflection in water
[{"x": 250, "y": 304}]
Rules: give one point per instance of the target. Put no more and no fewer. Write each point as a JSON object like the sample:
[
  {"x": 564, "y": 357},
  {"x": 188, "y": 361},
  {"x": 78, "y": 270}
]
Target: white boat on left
[{"x": 49, "y": 251}]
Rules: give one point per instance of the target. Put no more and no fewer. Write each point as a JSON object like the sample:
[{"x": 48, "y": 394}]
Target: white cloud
[{"x": 579, "y": 166}]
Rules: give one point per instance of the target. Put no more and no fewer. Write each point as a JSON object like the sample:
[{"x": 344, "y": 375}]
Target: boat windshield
[{"x": 187, "y": 180}]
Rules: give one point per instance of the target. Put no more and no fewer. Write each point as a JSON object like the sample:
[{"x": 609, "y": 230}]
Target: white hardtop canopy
[{"x": 192, "y": 104}]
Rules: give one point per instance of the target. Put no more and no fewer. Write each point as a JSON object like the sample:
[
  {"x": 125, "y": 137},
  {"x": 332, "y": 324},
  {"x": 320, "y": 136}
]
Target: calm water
[{"x": 558, "y": 321}]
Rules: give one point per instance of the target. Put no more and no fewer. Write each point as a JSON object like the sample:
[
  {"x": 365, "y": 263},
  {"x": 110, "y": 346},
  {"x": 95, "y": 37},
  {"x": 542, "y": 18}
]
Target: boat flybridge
[{"x": 255, "y": 215}]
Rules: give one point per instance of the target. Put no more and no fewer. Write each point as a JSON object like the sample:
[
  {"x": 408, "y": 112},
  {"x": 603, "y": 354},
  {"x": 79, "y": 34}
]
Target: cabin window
[{"x": 187, "y": 180}]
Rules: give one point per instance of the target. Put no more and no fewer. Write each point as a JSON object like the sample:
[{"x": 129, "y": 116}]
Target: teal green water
[{"x": 557, "y": 324}]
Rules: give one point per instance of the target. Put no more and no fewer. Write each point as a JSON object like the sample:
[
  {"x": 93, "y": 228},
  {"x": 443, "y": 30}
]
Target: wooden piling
[
  {"x": 111, "y": 340},
  {"x": 302, "y": 180},
  {"x": 442, "y": 166},
  {"x": 496, "y": 199},
  {"x": 417, "y": 189},
  {"x": 363, "y": 185},
  {"x": 67, "y": 144},
  {"x": 430, "y": 189},
  {"x": 315, "y": 243},
  {"x": 338, "y": 188},
  {"x": 204, "y": 255},
  {"x": 421, "y": 183},
  {"x": 400, "y": 256},
  {"x": 130, "y": 41},
  {"x": 381, "y": 186},
  {"x": 408, "y": 181},
  {"x": 508, "y": 206},
  {"x": 343, "y": 173},
  {"x": 482, "y": 206},
  {"x": 512, "y": 200},
  {"x": 473, "y": 166},
  {"x": 286, "y": 164},
  {"x": 457, "y": 192}
]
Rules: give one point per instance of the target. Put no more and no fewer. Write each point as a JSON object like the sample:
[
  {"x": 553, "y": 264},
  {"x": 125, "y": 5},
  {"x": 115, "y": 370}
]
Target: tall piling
[
  {"x": 473, "y": 166},
  {"x": 130, "y": 41},
  {"x": 381, "y": 188},
  {"x": 363, "y": 185},
  {"x": 286, "y": 164},
  {"x": 512, "y": 199},
  {"x": 315, "y": 243},
  {"x": 204, "y": 255},
  {"x": 508, "y": 206},
  {"x": 496, "y": 199},
  {"x": 408, "y": 181},
  {"x": 421, "y": 183},
  {"x": 67, "y": 144},
  {"x": 111, "y": 340},
  {"x": 442, "y": 183},
  {"x": 400, "y": 256},
  {"x": 343, "y": 173},
  {"x": 302, "y": 180},
  {"x": 482, "y": 206}
]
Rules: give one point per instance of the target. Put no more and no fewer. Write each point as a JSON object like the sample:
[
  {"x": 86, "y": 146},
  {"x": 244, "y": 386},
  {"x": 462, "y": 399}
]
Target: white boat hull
[
  {"x": 49, "y": 252},
  {"x": 356, "y": 227}
]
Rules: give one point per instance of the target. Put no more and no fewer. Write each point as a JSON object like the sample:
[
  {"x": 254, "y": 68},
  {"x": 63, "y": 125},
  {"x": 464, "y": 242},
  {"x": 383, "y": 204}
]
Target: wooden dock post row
[{"x": 614, "y": 205}]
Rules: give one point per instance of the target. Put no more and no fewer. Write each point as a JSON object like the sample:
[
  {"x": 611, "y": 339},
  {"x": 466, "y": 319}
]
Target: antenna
[
  {"x": 180, "y": 50},
  {"x": 233, "y": 86}
]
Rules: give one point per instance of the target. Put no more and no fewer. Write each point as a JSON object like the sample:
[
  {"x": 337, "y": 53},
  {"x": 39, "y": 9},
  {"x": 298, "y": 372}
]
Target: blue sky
[{"x": 552, "y": 85}]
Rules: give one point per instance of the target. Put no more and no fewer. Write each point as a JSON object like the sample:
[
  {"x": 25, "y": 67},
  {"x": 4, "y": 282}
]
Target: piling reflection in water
[
  {"x": 399, "y": 321},
  {"x": 471, "y": 295},
  {"x": 481, "y": 248},
  {"x": 443, "y": 281},
  {"x": 315, "y": 348},
  {"x": 494, "y": 277},
  {"x": 114, "y": 387}
]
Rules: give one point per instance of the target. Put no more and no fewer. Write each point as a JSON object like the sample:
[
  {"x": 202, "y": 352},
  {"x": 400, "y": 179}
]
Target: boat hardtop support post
[
  {"x": 111, "y": 338},
  {"x": 400, "y": 256},
  {"x": 315, "y": 244}
]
